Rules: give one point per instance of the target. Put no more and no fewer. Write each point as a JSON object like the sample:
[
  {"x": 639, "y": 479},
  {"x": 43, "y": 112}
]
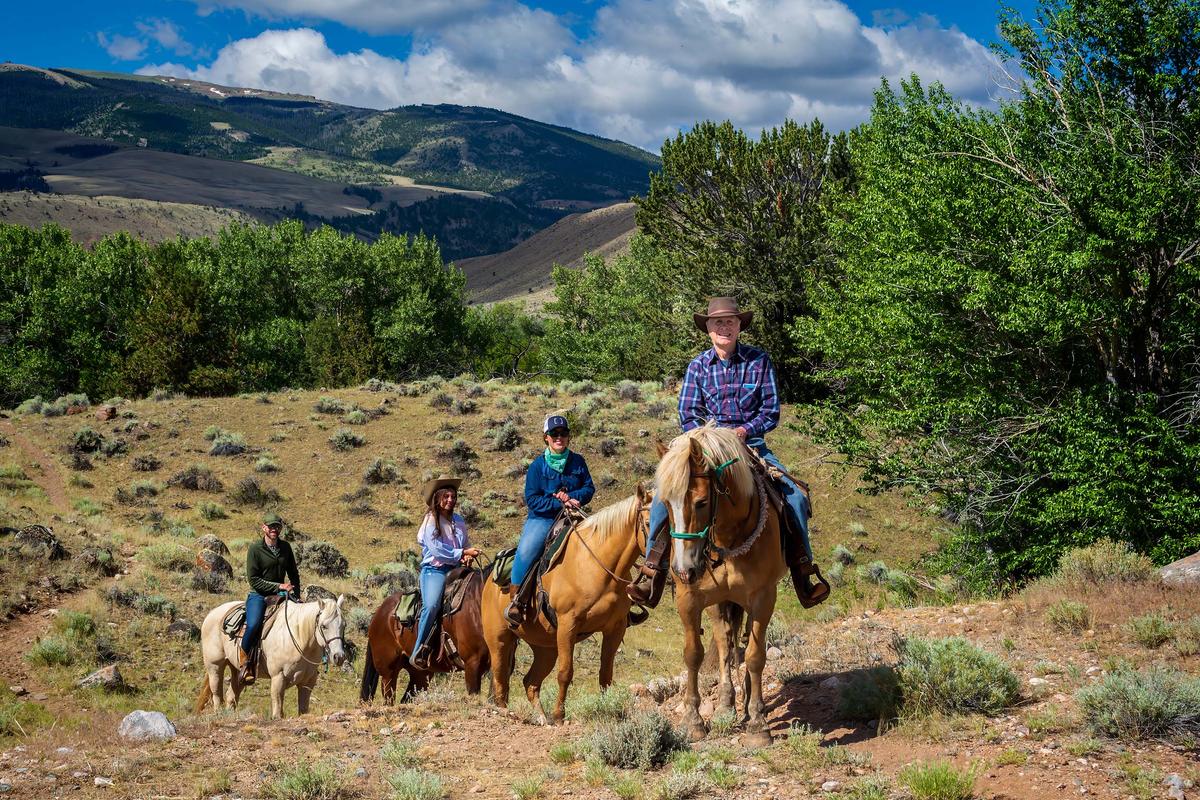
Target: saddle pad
[
  {"x": 458, "y": 580},
  {"x": 234, "y": 623}
]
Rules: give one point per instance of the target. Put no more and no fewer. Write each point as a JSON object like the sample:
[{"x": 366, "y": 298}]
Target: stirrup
[
  {"x": 247, "y": 666},
  {"x": 647, "y": 590},
  {"x": 809, "y": 594},
  {"x": 420, "y": 659},
  {"x": 515, "y": 614}
]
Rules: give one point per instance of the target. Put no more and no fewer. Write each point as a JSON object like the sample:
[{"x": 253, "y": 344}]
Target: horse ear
[
  {"x": 642, "y": 495},
  {"x": 341, "y": 597},
  {"x": 660, "y": 447},
  {"x": 697, "y": 453}
]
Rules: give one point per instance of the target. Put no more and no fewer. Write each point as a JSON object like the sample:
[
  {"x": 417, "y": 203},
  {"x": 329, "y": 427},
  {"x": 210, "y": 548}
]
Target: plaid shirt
[{"x": 742, "y": 394}]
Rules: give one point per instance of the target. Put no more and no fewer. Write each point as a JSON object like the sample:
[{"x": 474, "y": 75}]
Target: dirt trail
[{"x": 48, "y": 476}]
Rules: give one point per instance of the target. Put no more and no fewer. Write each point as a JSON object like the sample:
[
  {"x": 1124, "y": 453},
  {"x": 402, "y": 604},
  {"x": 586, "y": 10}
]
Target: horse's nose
[{"x": 687, "y": 575}]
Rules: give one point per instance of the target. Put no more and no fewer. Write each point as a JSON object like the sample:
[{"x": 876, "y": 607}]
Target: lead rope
[{"x": 299, "y": 650}]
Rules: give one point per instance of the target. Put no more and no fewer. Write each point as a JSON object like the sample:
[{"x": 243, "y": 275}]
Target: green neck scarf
[{"x": 556, "y": 462}]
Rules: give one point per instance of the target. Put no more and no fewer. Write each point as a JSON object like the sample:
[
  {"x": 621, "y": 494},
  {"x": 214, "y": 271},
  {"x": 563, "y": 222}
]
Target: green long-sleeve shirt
[{"x": 266, "y": 570}]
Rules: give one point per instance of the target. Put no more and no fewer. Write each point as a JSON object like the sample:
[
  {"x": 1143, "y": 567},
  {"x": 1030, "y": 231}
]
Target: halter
[
  {"x": 716, "y": 486},
  {"x": 716, "y": 490},
  {"x": 324, "y": 644}
]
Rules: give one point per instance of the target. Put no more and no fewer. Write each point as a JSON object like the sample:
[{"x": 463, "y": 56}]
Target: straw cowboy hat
[
  {"x": 431, "y": 487},
  {"x": 722, "y": 307}
]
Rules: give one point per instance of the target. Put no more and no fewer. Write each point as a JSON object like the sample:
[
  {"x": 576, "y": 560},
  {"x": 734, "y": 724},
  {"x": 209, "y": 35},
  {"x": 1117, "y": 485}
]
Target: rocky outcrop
[{"x": 1184, "y": 572}]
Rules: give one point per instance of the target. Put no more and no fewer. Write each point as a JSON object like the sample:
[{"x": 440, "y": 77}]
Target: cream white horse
[{"x": 290, "y": 653}]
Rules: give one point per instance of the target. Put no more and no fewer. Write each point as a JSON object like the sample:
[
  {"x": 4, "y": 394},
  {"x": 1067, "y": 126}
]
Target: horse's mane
[
  {"x": 718, "y": 445},
  {"x": 612, "y": 518}
]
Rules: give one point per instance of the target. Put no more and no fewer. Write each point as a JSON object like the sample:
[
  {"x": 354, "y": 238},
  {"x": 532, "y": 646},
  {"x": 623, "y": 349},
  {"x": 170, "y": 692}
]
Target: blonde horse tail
[{"x": 205, "y": 695}]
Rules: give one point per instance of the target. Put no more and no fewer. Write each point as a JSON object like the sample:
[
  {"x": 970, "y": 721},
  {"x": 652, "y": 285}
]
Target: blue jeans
[
  {"x": 433, "y": 581},
  {"x": 256, "y": 608},
  {"x": 792, "y": 495},
  {"x": 529, "y": 547}
]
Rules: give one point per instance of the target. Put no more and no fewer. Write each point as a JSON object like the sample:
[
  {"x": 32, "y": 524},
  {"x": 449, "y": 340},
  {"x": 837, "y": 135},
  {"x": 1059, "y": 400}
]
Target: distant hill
[
  {"x": 519, "y": 175},
  {"x": 523, "y": 273}
]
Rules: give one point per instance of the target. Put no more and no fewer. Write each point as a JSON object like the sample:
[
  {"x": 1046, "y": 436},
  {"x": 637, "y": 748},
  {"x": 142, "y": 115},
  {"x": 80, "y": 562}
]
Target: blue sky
[{"x": 636, "y": 70}]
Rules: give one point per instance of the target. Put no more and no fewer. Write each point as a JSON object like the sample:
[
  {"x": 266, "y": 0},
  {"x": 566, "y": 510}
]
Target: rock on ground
[
  {"x": 213, "y": 562},
  {"x": 108, "y": 678},
  {"x": 184, "y": 629},
  {"x": 1184, "y": 572},
  {"x": 210, "y": 542},
  {"x": 140, "y": 726}
]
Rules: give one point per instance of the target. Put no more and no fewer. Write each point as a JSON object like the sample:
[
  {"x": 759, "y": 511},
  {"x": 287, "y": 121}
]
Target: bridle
[
  {"x": 713, "y": 553},
  {"x": 320, "y": 635},
  {"x": 641, "y": 533}
]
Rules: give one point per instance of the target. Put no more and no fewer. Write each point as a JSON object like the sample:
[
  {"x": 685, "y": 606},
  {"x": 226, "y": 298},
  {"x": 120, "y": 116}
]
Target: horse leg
[
  {"x": 418, "y": 681},
  {"x": 278, "y": 685},
  {"x": 566, "y": 666},
  {"x": 303, "y": 696},
  {"x": 609, "y": 645},
  {"x": 756, "y": 659},
  {"x": 235, "y": 687},
  {"x": 543, "y": 662},
  {"x": 215, "y": 675},
  {"x": 502, "y": 667},
  {"x": 722, "y": 617},
  {"x": 474, "y": 672},
  {"x": 693, "y": 656},
  {"x": 387, "y": 682}
]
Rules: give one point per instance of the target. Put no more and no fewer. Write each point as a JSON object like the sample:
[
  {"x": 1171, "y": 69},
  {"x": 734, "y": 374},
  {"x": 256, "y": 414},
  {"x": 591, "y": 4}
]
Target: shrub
[
  {"x": 1151, "y": 630},
  {"x": 51, "y": 651},
  {"x": 401, "y": 752},
  {"x": 399, "y": 520},
  {"x": 330, "y": 405},
  {"x": 167, "y": 555},
  {"x": 86, "y": 440},
  {"x": 629, "y": 391},
  {"x": 843, "y": 555},
  {"x": 228, "y": 444},
  {"x": 211, "y": 511},
  {"x": 197, "y": 478},
  {"x": 953, "y": 676},
  {"x": 155, "y": 605},
  {"x": 682, "y": 785},
  {"x": 441, "y": 400},
  {"x": 416, "y": 784},
  {"x": 31, "y": 406},
  {"x": 610, "y": 446},
  {"x": 113, "y": 447},
  {"x": 359, "y": 619},
  {"x": 562, "y": 753},
  {"x": 381, "y": 471},
  {"x": 938, "y": 780},
  {"x": 322, "y": 558},
  {"x": 1069, "y": 615},
  {"x": 1142, "y": 705},
  {"x": 610, "y": 705},
  {"x": 641, "y": 741},
  {"x": 265, "y": 464},
  {"x": 875, "y": 572},
  {"x": 305, "y": 781},
  {"x": 529, "y": 787},
  {"x": 463, "y": 406},
  {"x": 76, "y": 624},
  {"x": 871, "y": 694},
  {"x": 1187, "y": 637},
  {"x": 504, "y": 437},
  {"x": 356, "y": 417},
  {"x": 146, "y": 463},
  {"x": 249, "y": 492},
  {"x": 459, "y": 456},
  {"x": 1104, "y": 562},
  {"x": 345, "y": 439}
]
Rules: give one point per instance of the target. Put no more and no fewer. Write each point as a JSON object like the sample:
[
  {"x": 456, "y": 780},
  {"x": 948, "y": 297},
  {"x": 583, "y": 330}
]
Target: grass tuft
[
  {"x": 307, "y": 781},
  {"x": 1151, "y": 630},
  {"x": 939, "y": 780},
  {"x": 1070, "y": 616},
  {"x": 416, "y": 784}
]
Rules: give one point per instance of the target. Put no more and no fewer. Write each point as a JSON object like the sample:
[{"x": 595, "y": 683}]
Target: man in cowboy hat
[
  {"x": 734, "y": 385},
  {"x": 444, "y": 545},
  {"x": 270, "y": 569}
]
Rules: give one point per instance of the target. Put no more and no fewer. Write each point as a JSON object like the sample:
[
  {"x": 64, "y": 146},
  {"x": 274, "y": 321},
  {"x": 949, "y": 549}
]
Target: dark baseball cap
[{"x": 555, "y": 421}]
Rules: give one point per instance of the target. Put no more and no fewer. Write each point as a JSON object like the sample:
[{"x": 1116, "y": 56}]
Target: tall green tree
[
  {"x": 749, "y": 216},
  {"x": 1015, "y": 324}
]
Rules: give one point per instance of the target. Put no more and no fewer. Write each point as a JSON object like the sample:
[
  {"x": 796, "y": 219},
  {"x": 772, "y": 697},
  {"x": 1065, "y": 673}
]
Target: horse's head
[
  {"x": 331, "y": 630},
  {"x": 696, "y": 475}
]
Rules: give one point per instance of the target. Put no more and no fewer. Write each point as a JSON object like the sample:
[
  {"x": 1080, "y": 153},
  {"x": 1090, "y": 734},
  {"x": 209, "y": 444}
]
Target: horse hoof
[{"x": 758, "y": 739}]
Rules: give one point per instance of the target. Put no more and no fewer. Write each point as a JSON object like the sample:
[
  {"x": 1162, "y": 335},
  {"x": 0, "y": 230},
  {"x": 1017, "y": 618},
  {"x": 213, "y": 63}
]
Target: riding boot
[
  {"x": 247, "y": 664},
  {"x": 800, "y": 564},
  {"x": 647, "y": 588},
  {"x": 420, "y": 659},
  {"x": 518, "y": 609}
]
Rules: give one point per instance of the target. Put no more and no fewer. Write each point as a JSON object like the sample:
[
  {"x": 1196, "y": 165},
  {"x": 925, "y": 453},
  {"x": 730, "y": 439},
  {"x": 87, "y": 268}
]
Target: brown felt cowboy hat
[
  {"x": 722, "y": 307},
  {"x": 430, "y": 488}
]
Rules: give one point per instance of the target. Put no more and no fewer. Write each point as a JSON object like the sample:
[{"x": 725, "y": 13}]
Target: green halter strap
[{"x": 718, "y": 473}]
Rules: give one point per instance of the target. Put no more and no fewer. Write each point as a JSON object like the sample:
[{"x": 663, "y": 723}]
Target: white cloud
[
  {"x": 123, "y": 48},
  {"x": 373, "y": 16},
  {"x": 647, "y": 69},
  {"x": 167, "y": 35}
]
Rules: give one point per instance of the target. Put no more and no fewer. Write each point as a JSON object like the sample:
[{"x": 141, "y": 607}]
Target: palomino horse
[
  {"x": 586, "y": 589},
  {"x": 725, "y": 554},
  {"x": 289, "y": 654},
  {"x": 389, "y": 645}
]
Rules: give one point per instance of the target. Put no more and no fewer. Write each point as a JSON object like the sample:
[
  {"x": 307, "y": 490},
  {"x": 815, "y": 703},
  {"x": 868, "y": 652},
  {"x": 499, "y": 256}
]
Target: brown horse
[
  {"x": 586, "y": 589},
  {"x": 725, "y": 556},
  {"x": 389, "y": 645}
]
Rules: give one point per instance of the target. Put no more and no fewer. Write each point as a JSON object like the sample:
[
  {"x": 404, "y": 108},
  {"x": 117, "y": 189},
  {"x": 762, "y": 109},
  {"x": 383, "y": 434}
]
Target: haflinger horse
[
  {"x": 290, "y": 653},
  {"x": 586, "y": 590},
  {"x": 389, "y": 645},
  {"x": 726, "y": 557}
]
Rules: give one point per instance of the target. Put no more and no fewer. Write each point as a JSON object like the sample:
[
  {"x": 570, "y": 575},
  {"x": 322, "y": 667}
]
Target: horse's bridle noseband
[{"x": 714, "y": 553}]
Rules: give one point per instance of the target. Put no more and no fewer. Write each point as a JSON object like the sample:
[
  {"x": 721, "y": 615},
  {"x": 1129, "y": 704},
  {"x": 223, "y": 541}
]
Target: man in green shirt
[{"x": 270, "y": 569}]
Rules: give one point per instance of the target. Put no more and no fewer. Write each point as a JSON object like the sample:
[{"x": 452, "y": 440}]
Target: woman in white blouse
[{"x": 444, "y": 545}]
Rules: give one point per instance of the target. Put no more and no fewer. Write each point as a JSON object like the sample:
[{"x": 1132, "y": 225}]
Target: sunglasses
[{"x": 558, "y": 433}]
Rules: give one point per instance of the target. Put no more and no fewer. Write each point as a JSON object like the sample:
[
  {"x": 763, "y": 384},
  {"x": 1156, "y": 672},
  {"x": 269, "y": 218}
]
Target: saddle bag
[
  {"x": 408, "y": 607},
  {"x": 234, "y": 622},
  {"x": 502, "y": 567}
]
